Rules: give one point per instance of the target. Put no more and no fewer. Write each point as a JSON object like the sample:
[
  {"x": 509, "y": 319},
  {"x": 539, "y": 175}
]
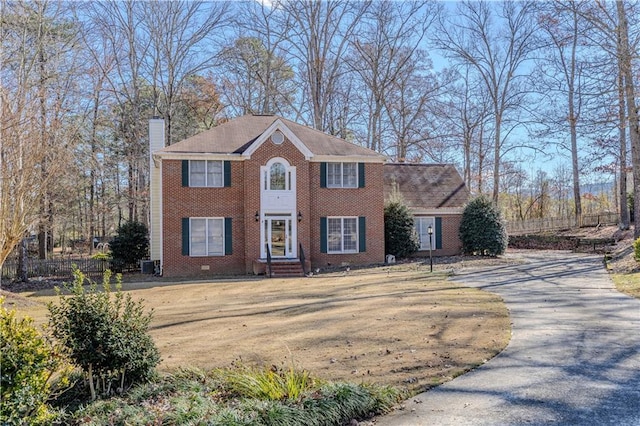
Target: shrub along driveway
[{"x": 574, "y": 357}]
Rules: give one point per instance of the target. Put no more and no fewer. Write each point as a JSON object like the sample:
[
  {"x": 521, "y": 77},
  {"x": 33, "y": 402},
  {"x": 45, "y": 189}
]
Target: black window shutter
[
  {"x": 228, "y": 244},
  {"x": 323, "y": 235},
  {"x": 360, "y": 175},
  {"x": 323, "y": 175},
  {"x": 438, "y": 233},
  {"x": 227, "y": 173},
  {"x": 185, "y": 236},
  {"x": 185, "y": 172},
  {"x": 362, "y": 234}
]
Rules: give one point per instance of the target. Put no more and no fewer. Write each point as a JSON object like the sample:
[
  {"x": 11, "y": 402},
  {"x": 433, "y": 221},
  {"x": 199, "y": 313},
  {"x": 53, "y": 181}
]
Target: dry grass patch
[
  {"x": 628, "y": 283},
  {"x": 624, "y": 268},
  {"x": 399, "y": 326}
]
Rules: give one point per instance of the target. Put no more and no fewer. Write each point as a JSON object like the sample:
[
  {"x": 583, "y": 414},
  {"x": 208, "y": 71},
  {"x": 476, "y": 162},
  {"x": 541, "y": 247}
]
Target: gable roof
[
  {"x": 425, "y": 187},
  {"x": 242, "y": 135}
]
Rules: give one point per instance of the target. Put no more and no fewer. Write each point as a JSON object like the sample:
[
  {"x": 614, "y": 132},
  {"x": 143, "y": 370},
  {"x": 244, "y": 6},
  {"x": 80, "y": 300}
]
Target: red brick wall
[
  {"x": 179, "y": 202},
  {"x": 367, "y": 201}
]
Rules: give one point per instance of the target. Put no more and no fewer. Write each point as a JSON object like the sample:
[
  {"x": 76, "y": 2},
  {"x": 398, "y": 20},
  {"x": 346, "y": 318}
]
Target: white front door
[{"x": 278, "y": 233}]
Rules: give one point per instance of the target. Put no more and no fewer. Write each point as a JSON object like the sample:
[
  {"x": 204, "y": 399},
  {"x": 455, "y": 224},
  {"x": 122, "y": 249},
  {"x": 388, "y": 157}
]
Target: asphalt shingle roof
[
  {"x": 235, "y": 137},
  {"x": 427, "y": 186}
]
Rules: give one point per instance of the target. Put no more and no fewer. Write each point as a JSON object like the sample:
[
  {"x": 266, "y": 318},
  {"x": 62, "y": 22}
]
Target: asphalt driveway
[{"x": 574, "y": 356}]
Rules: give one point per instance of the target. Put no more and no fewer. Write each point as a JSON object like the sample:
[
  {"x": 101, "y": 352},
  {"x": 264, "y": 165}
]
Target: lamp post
[{"x": 430, "y": 231}]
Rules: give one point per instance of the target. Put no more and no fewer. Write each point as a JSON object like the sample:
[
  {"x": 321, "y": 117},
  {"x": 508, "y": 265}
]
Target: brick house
[
  {"x": 224, "y": 199},
  {"x": 220, "y": 198}
]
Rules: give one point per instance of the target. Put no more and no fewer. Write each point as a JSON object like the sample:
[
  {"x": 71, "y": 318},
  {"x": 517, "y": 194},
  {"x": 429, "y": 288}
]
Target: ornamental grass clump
[
  {"x": 241, "y": 396},
  {"x": 271, "y": 384},
  {"x": 106, "y": 334}
]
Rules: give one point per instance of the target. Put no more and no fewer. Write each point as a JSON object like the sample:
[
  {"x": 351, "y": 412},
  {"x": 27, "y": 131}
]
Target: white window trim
[
  {"x": 206, "y": 240},
  {"x": 342, "y": 250},
  {"x": 206, "y": 165},
  {"x": 341, "y": 185},
  {"x": 418, "y": 224}
]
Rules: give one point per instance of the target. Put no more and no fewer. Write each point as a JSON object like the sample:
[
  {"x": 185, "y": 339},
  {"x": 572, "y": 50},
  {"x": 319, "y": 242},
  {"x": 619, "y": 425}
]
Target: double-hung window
[
  {"x": 342, "y": 175},
  {"x": 206, "y": 173},
  {"x": 342, "y": 234},
  {"x": 206, "y": 237},
  {"x": 422, "y": 225}
]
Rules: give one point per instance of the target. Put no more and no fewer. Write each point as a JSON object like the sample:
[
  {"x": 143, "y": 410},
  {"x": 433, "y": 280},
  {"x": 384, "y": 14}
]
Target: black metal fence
[{"x": 58, "y": 269}]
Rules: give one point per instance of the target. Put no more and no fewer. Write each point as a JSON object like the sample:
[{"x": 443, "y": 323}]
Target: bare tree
[
  {"x": 38, "y": 43},
  {"x": 561, "y": 77},
  {"x": 385, "y": 45},
  {"x": 118, "y": 31},
  {"x": 622, "y": 151},
  {"x": 184, "y": 37},
  {"x": 497, "y": 50},
  {"x": 561, "y": 189},
  {"x": 256, "y": 81},
  {"x": 318, "y": 37},
  {"x": 412, "y": 106},
  {"x": 29, "y": 119},
  {"x": 269, "y": 25},
  {"x": 625, "y": 60},
  {"x": 21, "y": 159},
  {"x": 466, "y": 115},
  {"x": 614, "y": 37}
]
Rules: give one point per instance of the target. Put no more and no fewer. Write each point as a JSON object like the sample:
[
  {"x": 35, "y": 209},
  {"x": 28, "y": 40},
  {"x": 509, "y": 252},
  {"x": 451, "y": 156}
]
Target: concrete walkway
[{"x": 574, "y": 356}]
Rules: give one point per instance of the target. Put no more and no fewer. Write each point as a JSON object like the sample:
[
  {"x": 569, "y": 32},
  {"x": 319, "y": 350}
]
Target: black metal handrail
[
  {"x": 268, "y": 259},
  {"x": 302, "y": 261}
]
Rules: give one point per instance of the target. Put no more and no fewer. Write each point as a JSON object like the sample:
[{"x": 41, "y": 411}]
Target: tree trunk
[
  {"x": 632, "y": 110},
  {"x": 573, "y": 121},
  {"x": 577, "y": 202},
  {"x": 622, "y": 186},
  {"x": 21, "y": 275},
  {"x": 496, "y": 160},
  {"x": 480, "y": 157}
]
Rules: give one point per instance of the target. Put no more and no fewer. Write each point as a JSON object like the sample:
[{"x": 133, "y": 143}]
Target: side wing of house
[{"x": 436, "y": 195}]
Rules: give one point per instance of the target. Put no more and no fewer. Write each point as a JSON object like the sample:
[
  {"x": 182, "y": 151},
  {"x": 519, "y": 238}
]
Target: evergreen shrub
[
  {"x": 400, "y": 237},
  {"x": 130, "y": 245},
  {"x": 482, "y": 231},
  {"x": 28, "y": 363},
  {"x": 106, "y": 334}
]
